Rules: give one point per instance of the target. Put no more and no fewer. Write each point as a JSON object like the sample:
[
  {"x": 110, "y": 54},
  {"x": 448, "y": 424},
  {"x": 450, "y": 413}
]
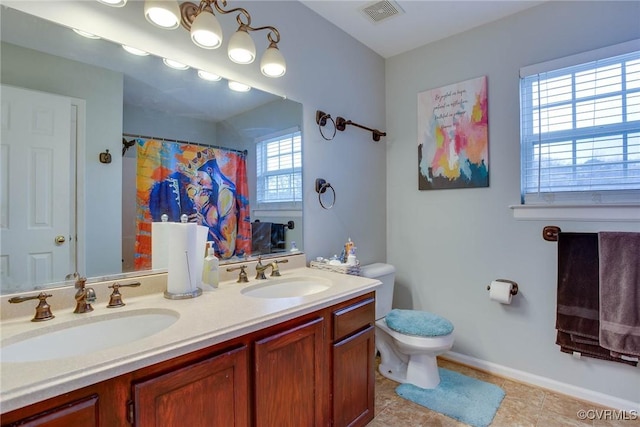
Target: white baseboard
[{"x": 547, "y": 383}]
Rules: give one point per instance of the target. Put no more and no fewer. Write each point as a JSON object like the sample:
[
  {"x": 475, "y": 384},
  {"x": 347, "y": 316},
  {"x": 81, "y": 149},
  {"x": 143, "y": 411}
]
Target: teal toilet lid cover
[{"x": 420, "y": 323}]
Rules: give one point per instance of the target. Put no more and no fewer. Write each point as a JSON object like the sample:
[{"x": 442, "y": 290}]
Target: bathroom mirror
[{"x": 157, "y": 103}]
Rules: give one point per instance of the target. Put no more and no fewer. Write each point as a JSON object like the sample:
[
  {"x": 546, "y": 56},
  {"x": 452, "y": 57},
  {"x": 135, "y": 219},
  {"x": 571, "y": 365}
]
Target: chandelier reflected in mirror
[{"x": 201, "y": 22}]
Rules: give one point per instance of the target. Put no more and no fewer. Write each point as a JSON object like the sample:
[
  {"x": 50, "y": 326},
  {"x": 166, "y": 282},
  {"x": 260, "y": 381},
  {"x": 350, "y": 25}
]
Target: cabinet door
[
  {"x": 289, "y": 384},
  {"x": 211, "y": 393},
  {"x": 354, "y": 379},
  {"x": 80, "y": 413}
]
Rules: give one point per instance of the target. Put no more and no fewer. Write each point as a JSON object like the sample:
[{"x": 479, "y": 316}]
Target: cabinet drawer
[{"x": 354, "y": 317}]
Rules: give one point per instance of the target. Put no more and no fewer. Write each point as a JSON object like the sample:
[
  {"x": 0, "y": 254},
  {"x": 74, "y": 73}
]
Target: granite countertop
[{"x": 214, "y": 317}]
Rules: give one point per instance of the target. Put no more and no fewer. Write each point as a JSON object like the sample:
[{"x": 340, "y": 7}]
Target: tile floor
[{"x": 523, "y": 406}]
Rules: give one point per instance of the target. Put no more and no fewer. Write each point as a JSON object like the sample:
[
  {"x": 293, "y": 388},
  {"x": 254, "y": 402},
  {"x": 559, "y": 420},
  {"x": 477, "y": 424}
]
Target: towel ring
[
  {"x": 321, "y": 188},
  {"x": 321, "y": 120}
]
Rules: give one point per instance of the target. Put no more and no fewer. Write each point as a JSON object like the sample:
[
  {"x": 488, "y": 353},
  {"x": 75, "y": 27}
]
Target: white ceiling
[{"x": 420, "y": 23}]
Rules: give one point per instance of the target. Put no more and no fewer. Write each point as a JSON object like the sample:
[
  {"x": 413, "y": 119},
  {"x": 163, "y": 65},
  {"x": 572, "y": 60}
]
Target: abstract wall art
[{"x": 453, "y": 141}]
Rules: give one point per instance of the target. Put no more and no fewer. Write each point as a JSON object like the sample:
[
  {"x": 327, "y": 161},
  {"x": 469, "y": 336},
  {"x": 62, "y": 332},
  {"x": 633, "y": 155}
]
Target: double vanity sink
[
  {"x": 82, "y": 336},
  {"x": 45, "y": 359}
]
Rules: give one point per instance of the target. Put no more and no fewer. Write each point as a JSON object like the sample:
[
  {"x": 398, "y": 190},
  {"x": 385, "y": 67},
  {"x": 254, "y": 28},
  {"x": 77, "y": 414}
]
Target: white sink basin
[
  {"x": 86, "y": 335},
  {"x": 287, "y": 288}
]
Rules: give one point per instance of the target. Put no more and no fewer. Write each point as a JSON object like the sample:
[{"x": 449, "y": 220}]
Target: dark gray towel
[
  {"x": 567, "y": 345},
  {"x": 577, "y": 310},
  {"x": 260, "y": 237},
  {"x": 619, "y": 254}
]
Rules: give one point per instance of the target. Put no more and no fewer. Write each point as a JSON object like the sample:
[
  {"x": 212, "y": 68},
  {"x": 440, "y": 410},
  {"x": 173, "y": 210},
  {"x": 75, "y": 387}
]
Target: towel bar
[{"x": 550, "y": 233}]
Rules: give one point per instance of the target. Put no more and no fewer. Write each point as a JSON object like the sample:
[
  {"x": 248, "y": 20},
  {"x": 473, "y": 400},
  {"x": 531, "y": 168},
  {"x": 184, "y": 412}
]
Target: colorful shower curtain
[{"x": 209, "y": 185}]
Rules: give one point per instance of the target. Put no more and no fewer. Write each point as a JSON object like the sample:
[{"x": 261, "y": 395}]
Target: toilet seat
[
  {"x": 416, "y": 322},
  {"x": 437, "y": 343}
]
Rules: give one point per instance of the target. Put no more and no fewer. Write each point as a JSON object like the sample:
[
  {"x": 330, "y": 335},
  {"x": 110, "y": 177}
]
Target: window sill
[{"x": 627, "y": 212}]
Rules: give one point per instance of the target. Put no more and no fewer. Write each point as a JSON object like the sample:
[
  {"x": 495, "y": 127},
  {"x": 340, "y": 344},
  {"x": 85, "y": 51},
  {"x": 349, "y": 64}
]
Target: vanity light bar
[{"x": 206, "y": 32}]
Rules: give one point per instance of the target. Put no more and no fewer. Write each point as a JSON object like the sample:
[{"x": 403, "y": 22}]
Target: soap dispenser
[{"x": 210, "y": 272}]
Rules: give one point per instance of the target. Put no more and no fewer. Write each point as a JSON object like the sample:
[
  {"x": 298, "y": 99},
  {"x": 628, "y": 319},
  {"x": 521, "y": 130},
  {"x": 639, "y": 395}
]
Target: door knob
[{"x": 60, "y": 240}]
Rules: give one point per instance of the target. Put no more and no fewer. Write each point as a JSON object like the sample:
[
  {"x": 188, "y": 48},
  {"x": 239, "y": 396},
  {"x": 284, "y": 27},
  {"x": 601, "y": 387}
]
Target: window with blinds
[
  {"x": 279, "y": 168},
  {"x": 580, "y": 129}
]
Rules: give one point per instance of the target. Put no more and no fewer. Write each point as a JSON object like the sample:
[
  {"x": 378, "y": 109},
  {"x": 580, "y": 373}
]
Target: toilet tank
[{"x": 386, "y": 273}]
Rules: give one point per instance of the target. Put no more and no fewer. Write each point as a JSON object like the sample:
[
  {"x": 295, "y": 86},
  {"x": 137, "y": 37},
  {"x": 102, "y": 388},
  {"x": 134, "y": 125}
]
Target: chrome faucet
[{"x": 84, "y": 296}]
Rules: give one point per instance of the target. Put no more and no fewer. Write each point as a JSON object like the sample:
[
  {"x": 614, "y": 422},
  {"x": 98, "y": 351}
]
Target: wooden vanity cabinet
[
  {"x": 353, "y": 370},
  {"x": 289, "y": 371},
  {"x": 99, "y": 405},
  {"x": 213, "y": 392},
  {"x": 78, "y": 413},
  {"x": 314, "y": 370}
]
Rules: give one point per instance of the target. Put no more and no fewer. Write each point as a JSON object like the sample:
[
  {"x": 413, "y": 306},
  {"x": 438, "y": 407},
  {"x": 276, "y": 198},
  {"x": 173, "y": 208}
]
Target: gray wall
[
  {"x": 102, "y": 91},
  {"x": 147, "y": 122},
  {"x": 449, "y": 244}
]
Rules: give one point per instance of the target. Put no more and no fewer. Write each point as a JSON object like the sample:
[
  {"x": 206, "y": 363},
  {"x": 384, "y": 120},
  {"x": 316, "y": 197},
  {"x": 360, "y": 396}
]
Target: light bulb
[
  {"x": 272, "y": 63},
  {"x": 204, "y": 75},
  {"x": 135, "y": 51},
  {"x": 241, "y": 49},
  {"x": 85, "y": 34},
  {"x": 239, "y": 87},
  {"x": 114, "y": 3},
  {"x": 163, "y": 14},
  {"x": 175, "y": 64},
  {"x": 206, "y": 31}
]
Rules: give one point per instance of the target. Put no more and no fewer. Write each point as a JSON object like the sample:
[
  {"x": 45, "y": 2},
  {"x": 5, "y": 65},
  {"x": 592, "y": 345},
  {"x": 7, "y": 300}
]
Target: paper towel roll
[
  {"x": 159, "y": 244},
  {"x": 185, "y": 256},
  {"x": 500, "y": 291}
]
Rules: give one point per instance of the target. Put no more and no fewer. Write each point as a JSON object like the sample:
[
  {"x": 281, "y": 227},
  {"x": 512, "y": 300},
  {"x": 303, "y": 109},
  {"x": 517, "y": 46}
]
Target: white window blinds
[
  {"x": 580, "y": 130},
  {"x": 279, "y": 168}
]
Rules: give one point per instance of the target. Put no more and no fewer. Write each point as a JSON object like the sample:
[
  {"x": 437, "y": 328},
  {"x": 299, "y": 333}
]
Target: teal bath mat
[{"x": 458, "y": 396}]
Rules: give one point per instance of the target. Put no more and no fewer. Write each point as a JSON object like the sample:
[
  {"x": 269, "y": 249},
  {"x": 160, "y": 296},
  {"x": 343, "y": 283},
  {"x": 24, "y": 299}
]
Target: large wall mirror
[{"x": 119, "y": 102}]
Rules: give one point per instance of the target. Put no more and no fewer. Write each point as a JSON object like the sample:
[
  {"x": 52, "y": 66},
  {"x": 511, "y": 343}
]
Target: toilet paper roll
[{"x": 500, "y": 291}]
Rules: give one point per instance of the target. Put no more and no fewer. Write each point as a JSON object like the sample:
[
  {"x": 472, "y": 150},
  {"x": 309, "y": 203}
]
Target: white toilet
[{"x": 408, "y": 340}]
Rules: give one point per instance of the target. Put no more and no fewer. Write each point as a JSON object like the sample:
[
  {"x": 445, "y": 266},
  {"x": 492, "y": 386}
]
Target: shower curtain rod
[{"x": 244, "y": 152}]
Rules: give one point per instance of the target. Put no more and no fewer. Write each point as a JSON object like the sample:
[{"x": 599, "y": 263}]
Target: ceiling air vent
[{"x": 382, "y": 10}]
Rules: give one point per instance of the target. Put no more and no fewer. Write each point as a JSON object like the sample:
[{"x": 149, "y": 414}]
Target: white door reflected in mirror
[{"x": 36, "y": 208}]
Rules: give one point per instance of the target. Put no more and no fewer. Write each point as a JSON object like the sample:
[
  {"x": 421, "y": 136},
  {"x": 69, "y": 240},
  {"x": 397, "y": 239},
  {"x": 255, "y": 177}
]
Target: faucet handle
[
  {"x": 80, "y": 282},
  {"x": 43, "y": 310},
  {"x": 275, "y": 271},
  {"x": 242, "y": 277},
  {"x": 115, "y": 300}
]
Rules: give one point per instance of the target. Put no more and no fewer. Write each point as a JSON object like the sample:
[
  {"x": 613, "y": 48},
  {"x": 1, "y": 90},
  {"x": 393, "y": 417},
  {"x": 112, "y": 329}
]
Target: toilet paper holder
[{"x": 514, "y": 286}]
